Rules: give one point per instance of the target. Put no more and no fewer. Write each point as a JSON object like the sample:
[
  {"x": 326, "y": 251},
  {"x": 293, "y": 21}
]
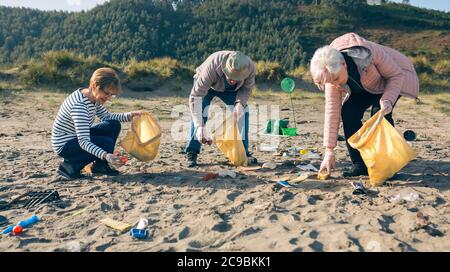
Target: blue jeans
[
  {"x": 103, "y": 134},
  {"x": 229, "y": 98}
]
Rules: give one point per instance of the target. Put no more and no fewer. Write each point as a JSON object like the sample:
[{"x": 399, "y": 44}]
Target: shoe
[
  {"x": 356, "y": 170},
  {"x": 251, "y": 160},
  {"x": 191, "y": 159},
  {"x": 104, "y": 169},
  {"x": 66, "y": 171}
]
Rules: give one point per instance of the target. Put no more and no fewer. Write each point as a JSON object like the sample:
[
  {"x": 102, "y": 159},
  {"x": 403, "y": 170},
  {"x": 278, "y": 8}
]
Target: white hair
[{"x": 326, "y": 61}]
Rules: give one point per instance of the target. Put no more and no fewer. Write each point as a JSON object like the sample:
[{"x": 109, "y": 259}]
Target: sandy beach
[{"x": 247, "y": 213}]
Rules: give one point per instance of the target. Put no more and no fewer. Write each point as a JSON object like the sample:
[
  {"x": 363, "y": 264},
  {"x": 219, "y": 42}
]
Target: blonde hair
[
  {"x": 106, "y": 77},
  {"x": 326, "y": 62}
]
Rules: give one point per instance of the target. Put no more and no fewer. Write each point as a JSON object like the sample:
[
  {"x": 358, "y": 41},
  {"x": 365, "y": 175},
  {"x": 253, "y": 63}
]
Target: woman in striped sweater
[
  {"x": 370, "y": 75},
  {"x": 77, "y": 139}
]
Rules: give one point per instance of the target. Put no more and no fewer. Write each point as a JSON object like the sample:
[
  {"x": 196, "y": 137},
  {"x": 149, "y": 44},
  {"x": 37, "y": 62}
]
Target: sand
[{"x": 248, "y": 213}]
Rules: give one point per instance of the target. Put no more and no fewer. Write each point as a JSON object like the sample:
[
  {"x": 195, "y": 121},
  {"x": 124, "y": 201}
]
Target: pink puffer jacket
[{"x": 389, "y": 73}]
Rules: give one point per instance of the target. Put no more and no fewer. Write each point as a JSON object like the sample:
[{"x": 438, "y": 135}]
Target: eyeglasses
[{"x": 108, "y": 94}]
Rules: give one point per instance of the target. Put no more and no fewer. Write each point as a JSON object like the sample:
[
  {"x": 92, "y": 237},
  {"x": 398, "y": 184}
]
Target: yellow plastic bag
[
  {"x": 142, "y": 142},
  {"x": 229, "y": 141},
  {"x": 382, "y": 148}
]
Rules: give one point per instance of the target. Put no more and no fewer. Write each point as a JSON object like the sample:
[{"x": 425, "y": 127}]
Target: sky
[{"x": 78, "y": 5}]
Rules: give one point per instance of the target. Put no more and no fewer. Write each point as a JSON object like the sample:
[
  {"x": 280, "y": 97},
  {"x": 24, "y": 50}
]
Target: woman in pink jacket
[{"x": 369, "y": 75}]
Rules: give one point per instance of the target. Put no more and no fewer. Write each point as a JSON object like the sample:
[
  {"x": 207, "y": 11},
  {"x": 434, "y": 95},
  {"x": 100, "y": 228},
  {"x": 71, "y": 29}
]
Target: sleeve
[
  {"x": 390, "y": 71},
  {"x": 333, "y": 107},
  {"x": 105, "y": 115},
  {"x": 80, "y": 117},
  {"x": 201, "y": 86}
]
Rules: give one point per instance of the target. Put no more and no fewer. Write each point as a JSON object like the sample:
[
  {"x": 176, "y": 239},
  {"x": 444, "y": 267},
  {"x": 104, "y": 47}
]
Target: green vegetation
[
  {"x": 152, "y": 41},
  {"x": 62, "y": 68},
  {"x": 269, "y": 71}
]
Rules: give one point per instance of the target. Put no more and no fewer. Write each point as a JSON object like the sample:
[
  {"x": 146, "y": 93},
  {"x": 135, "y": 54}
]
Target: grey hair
[{"x": 326, "y": 61}]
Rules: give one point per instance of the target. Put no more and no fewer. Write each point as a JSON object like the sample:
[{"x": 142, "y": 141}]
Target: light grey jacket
[{"x": 209, "y": 75}]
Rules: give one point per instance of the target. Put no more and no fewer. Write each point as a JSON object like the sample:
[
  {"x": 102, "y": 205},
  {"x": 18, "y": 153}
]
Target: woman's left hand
[{"x": 386, "y": 106}]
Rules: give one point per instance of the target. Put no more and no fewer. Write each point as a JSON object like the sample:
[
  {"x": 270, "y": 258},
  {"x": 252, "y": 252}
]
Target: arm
[
  {"x": 390, "y": 71},
  {"x": 333, "y": 106},
  {"x": 80, "y": 116},
  {"x": 202, "y": 84},
  {"x": 105, "y": 115}
]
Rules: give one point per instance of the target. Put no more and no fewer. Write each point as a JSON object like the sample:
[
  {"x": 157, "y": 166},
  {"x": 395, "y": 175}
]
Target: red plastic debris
[
  {"x": 210, "y": 176},
  {"x": 17, "y": 229}
]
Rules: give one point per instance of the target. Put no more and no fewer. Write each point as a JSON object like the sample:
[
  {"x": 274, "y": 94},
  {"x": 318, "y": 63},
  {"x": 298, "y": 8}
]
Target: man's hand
[
  {"x": 386, "y": 106},
  {"x": 329, "y": 161},
  {"x": 238, "y": 110},
  {"x": 202, "y": 137}
]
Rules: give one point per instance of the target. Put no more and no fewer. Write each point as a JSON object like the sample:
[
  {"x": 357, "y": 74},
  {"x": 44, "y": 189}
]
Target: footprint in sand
[
  {"x": 195, "y": 244},
  {"x": 273, "y": 218},
  {"x": 312, "y": 200},
  {"x": 313, "y": 234},
  {"x": 232, "y": 196},
  {"x": 287, "y": 196},
  {"x": 184, "y": 233},
  {"x": 222, "y": 227},
  {"x": 316, "y": 246},
  {"x": 384, "y": 222}
]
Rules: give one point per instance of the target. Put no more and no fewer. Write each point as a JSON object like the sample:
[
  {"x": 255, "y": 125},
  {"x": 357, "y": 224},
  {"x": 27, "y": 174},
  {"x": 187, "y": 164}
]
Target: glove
[
  {"x": 239, "y": 110},
  {"x": 329, "y": 162},
  {"x": 113, "y": 160},
  {"x": 202, "y": 137},
  {"x": 386, "y": 106}
]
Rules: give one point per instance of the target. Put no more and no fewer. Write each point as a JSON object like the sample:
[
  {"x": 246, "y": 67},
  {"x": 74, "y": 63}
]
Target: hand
[
  {"x": 238, "y": 110},
  {"x": 114, "y": 160},
  {"x": 386, "y": 106},
  {"x": 329, "y": 161},
  {"x": 202, "y": 137},
  {"x": 136, "y": 113}
]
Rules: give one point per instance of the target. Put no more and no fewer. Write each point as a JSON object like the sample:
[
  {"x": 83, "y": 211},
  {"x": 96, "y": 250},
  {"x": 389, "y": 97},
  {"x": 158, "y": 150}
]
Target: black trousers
[{"x": 352, "y": 114}]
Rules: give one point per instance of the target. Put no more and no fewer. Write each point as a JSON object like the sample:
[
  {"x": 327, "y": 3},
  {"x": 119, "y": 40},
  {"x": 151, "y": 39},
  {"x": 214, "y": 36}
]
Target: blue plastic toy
[
  {"x": 139, "y": 233},
  {"x": 24, "y": 224}
]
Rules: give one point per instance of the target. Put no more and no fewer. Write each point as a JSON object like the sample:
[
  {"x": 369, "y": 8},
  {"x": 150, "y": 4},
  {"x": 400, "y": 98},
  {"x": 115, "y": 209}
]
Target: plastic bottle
[{"x": 24, "y": 224}]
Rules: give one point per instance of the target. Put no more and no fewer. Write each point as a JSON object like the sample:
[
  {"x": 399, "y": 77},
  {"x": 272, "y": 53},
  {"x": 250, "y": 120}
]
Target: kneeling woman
[
  {"x": 371, "y": 75},
  {"x": 74, "y": 135}
]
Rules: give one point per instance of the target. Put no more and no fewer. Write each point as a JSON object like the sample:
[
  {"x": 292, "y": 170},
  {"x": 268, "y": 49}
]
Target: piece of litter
[
  {"x": 249, "y": 168},
  {"x": 405, "y": 195},
  {"x": 308, "y": 167},
  {"x": 264, "y": 148},
  {"x": 225, "y": 172},
  {"x": 284, "y": 184},
  {"x": 117, "y": 225},
  {"x": 311, "y": 156},
  {"x": 302, "y": 177},
  {"x": 210, "y": 176},
  {"x": 269, "y": 165},
  {"x": 284, "y": 178},
  {"x": 359, "y": 188},
  {"x": 143, "y": 223},
  {"x": 323, "y": 175}
]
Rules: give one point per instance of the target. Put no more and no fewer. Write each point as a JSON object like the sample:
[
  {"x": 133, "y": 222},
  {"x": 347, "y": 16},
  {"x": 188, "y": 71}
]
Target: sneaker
[
  {"x": 191, "y": 159},
  {"x": 104, "y": 169},
  {"x": 356, "y": 170},
  {"x": 64, "y": 170},
  {"x": 251, "y": 160}
]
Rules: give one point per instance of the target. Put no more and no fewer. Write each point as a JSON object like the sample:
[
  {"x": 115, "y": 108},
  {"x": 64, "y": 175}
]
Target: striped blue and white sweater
[{"x": 74, "y": 120}]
